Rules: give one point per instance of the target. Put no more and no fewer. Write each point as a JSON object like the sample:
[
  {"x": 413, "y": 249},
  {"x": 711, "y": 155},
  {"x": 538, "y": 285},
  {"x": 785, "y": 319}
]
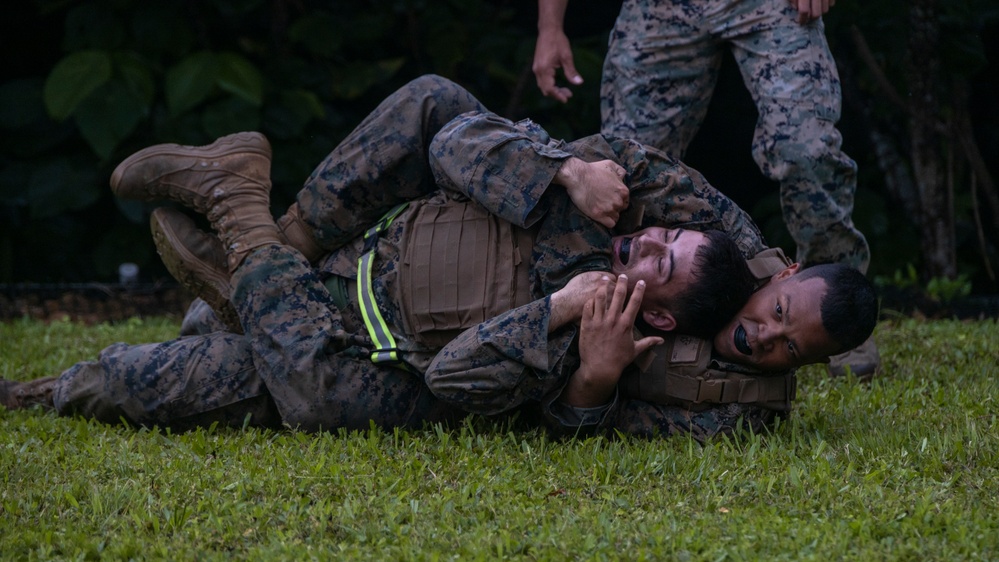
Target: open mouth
[
  {"x": 624, "y": 254},
  {"x": 739, "y": 338}
]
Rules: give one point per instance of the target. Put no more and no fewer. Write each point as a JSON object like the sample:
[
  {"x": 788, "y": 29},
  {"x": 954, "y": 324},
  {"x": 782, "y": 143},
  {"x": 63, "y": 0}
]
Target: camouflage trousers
[
  {"x": 382, "y": 162},
  {"x": 302, "y": 364},
  {"x": 661, "y": 68}
]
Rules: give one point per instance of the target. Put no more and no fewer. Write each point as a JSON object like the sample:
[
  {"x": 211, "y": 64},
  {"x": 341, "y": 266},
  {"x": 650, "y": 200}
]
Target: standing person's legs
[
  {"x": 793, "y": 80},
  {"x": 661, "y": 68},
  {"x": 381, "y": 163}
]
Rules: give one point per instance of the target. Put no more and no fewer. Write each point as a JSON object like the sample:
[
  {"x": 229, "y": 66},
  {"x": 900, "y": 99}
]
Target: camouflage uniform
[
  {"x": 660, "y": 70},
  {"x": 304, "y": 360}
]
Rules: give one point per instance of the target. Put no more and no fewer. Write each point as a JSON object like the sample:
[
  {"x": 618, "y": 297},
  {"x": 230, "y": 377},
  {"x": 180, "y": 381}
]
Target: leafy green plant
[
  {"x": 939, "y": 289},
  {"x": 908, "y": 279},
  {"x": 133, "y": 73},
  {"x": 946, "y": 290}
]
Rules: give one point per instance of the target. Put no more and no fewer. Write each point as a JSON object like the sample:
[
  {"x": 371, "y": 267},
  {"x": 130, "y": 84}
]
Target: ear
[
  {"x": 786, "y": 272},
  {"x": 660, "y": 319}
]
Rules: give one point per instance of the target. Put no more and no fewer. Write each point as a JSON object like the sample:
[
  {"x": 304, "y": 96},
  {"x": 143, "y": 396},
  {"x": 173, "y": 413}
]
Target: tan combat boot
[
  {"x": 228, "y": 181},
  {"x": 196, "y": 259},
  {"x": 298, "y": 235},
  {"x": 20, "y": 395},
  {"x": 863, "y": 361}
]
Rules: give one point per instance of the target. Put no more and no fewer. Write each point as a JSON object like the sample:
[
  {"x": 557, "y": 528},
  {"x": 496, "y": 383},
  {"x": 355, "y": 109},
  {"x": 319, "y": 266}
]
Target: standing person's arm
[{"x": 553, "y": 51}]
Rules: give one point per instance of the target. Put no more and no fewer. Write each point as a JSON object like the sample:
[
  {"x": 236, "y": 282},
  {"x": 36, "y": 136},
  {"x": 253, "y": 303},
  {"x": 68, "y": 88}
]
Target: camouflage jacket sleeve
[
  {"x": 646, "y": 419},
  {"x": 505, "y": 361},
  {"x": 507, "y": 167},
  {"x": 504, "y": 166},
  {"x": 665, "y": 191}
]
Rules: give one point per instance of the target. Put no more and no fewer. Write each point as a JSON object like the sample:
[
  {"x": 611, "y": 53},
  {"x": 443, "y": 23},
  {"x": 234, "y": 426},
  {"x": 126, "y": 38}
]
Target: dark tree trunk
[{"x": 936, "y": 206}]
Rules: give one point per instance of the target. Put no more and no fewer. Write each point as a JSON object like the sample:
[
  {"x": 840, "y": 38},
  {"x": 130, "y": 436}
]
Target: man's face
[
  {"x": 780, "y": 327},
  {"x": 664, "y": 259}
]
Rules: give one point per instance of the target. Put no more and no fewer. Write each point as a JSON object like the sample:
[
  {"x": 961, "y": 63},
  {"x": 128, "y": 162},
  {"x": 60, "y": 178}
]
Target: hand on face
[
  {"x": 780, "y": 327},
  {"x": 606, "y": 343}
]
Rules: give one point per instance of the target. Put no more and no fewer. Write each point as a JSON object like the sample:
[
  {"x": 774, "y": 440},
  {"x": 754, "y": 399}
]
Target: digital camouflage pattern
[
  {"x": 662, "y": 65},
  {"x": 304, "y": 362}
]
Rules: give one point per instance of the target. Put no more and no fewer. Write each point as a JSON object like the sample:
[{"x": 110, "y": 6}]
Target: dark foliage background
[{"x": 87, "y": 82}]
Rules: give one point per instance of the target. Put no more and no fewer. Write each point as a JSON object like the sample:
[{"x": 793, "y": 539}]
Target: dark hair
[
  {"x": 720, "y": 284},
  {"x": 850, "y": 305}
]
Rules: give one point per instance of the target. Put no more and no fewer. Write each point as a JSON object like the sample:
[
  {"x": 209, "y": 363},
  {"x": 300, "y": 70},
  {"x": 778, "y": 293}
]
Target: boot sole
[
  {"x": 214, "y": 290},
  {"x": 246, "y": 142}
]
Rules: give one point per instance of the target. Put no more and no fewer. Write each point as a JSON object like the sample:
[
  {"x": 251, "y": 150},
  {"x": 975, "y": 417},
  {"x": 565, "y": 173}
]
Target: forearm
[
  {"x": 502, "y": 362},
  {"x": 551, "y": 15}
]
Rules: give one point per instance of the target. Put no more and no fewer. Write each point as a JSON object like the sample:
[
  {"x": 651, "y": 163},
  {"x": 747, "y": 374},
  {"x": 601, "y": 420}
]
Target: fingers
[
  {"x": 546, "y": 81},
  {"x": 809, "y": 10},
  {"x": 621, "y": 294},
  {"x": 647, "y": 343},
  {"x": 599, "y": 300},
  {"x": 588, "y": 311},
  {"x": 634, "y": 303},
  {"x": 569, "y": 69},
  {"x": 544, "y": 75}
]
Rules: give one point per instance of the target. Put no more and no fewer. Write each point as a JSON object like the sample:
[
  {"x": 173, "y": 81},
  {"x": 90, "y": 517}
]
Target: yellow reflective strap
[
  {"x": 385, "y": 346},
  {"x": 377, "y": 328},
  {"x": 372, "y": 234}
]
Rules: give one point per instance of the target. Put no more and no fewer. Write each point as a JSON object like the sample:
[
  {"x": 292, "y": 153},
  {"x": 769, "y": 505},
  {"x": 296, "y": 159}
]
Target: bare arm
[{"x": 553, "y": 51}]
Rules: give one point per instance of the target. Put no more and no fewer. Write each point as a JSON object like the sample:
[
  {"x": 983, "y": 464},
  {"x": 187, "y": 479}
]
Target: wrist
[
  {"x": 586, "y": 389},
  {"x": 568, "y": 173}
]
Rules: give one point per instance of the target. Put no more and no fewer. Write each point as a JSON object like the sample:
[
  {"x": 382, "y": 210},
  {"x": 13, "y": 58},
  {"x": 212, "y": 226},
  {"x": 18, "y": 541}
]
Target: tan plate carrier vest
[
  {"x": 461, "y": 266},
  {"x": 682, "y": 372}
]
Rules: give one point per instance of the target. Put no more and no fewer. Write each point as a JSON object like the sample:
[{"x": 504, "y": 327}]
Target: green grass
[{"x": 907, "y": 468}]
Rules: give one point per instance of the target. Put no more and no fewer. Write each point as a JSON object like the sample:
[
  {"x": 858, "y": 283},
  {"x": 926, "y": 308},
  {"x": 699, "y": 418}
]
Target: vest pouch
[
  {"x": 460, "y": 267},
  {"x": 680, "y": 372}
]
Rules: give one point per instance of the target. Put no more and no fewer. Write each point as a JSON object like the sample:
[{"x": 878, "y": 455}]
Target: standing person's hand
[
  {"x": 809, "y": 10},
  {"x": 552, "y": 51}
]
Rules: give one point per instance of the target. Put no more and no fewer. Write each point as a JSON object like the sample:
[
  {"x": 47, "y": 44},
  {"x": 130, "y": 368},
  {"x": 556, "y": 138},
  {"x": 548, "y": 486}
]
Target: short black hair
[
  {"x": 850, "y": 306},
  {"x": 720, "y": 284}
]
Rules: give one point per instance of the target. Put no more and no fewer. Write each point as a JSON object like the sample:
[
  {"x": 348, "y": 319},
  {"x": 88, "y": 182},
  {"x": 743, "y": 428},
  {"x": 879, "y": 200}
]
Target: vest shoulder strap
[
  {"x": 768, "y": 262},
  {"x": 386, "y": 352}
]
